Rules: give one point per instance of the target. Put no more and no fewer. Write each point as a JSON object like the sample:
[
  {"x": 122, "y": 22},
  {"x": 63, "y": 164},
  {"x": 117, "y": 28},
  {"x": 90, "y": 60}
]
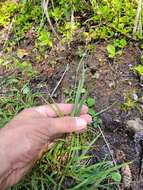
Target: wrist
[{"x": 5, "y": 164}]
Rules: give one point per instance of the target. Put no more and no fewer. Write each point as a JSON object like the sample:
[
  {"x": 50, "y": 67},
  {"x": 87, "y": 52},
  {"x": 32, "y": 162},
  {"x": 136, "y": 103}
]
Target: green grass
[{"x": 14, "y": 99}]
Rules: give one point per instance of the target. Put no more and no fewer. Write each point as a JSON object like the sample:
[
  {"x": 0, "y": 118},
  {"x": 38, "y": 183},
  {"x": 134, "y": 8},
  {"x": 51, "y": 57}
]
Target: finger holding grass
[
  {"x": 66, "y": 109},
  {"x": 29, "y": 135}
]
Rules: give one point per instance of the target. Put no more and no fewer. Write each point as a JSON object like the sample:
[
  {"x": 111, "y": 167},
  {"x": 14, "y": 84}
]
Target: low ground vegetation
[{"x": 33, "y": 34}]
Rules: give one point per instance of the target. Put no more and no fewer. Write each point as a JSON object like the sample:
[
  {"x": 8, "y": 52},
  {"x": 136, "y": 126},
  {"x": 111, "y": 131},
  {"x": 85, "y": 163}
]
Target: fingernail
[{"x": 81, "y": 123}]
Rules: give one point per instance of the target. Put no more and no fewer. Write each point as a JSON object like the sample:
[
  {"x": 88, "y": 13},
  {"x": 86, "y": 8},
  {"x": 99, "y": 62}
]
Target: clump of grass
[
  {"x": 68, "y": 164},
  {"x": 15, "y": 99}
]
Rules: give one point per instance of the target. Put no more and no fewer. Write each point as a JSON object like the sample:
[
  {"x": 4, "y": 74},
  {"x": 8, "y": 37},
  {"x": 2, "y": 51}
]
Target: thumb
[{"x": 59, "y": 126}]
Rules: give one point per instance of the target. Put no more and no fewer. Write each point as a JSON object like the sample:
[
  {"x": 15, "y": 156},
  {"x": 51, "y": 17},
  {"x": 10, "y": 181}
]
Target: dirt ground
[{"x": 108, "y": 82}]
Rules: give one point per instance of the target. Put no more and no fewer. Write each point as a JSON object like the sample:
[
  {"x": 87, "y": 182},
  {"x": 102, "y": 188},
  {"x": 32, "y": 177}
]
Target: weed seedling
[
  {"x": 116, "y": 47},
  {"x": 139, "y": 69},
  {"x": 111, "y": 51}
]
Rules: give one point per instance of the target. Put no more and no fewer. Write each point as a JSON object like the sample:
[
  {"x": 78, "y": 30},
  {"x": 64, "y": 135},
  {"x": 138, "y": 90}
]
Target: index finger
[{"x": 66, "y": 109}]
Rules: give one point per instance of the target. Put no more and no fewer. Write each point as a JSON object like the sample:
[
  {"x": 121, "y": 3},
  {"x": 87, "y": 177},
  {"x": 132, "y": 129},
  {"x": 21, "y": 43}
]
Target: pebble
[
  {"x": 135, "y": 97},
  {"x": 137, "y": 127}
]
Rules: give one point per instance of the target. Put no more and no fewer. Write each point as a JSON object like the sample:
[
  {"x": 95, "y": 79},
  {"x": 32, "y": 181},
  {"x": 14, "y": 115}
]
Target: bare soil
[{"x": 114, "y": 79}]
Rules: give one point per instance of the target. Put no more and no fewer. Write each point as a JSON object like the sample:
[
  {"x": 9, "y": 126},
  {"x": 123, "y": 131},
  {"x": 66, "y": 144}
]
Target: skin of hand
[{"x": 29, "y": 134}]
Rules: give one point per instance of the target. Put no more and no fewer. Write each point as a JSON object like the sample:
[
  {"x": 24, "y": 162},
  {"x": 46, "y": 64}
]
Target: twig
[
  {"x": 59, "y": 82},
  {"x": 72, "y": 17},
  {"x": 45, "y": 8},
  {"x": 52, "y": 4},
  {"x": 138, "y": 23},
  {"x": 107, "y": 144},
  {"x": 106, "y": 109},
  {"x": 8, "y": 33},
  {"x": 50, "y": 95}
]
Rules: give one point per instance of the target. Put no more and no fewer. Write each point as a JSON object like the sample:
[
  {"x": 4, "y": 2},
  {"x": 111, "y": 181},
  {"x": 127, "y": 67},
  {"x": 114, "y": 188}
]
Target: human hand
[{"x": 29, "y": 134}]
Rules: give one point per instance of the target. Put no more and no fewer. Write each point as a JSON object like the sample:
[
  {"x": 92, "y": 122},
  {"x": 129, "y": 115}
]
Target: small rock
[
  {"x": 97, "y": 75},
  {"x": 112, "y": 84},
  {"x": 130, "y": 83},
  {"x": 135, "y": 97},
  {"x": 135, "y": 125},
  {"x": 130, "y": 65}
]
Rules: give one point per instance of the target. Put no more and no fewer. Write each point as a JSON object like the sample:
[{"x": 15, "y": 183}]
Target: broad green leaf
[
  {"x": 90, "y": 102},
  {"x": 116, "y": 176},
  {"x": 92, "y": 112},
  {"x": 44, "y": 38},
  {"x": 120, "y": 43},
  {"x": 111, "y": 51},
  {"x": 139, "y": 69}
]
